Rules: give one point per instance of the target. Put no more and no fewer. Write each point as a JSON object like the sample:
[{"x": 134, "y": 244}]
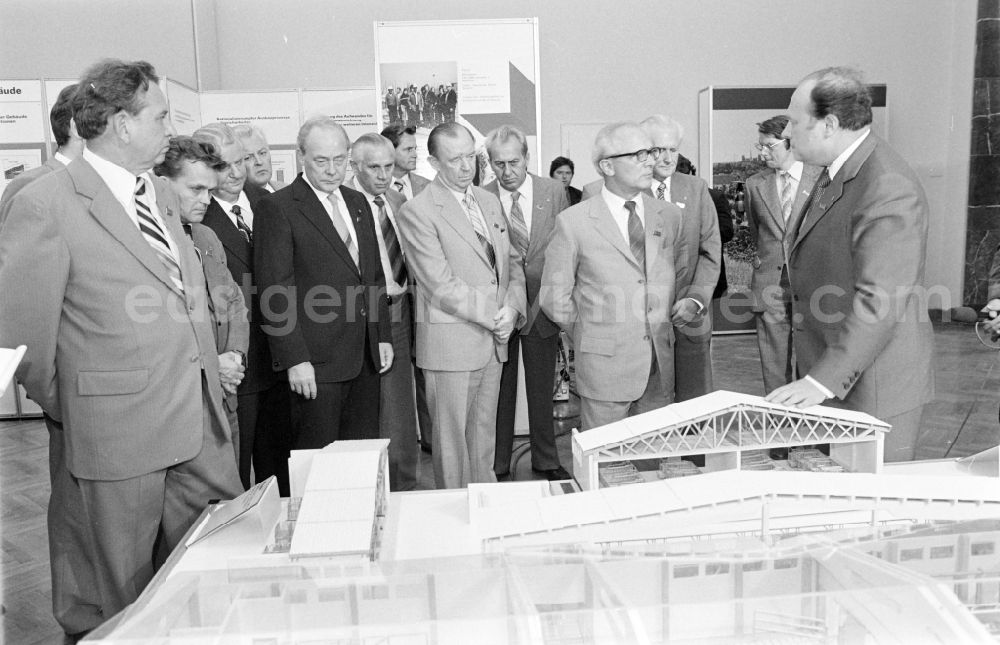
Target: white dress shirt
[
  {"x": 795, "y": 176},
  {"x": 121, "y": 182},
  {"x": 527, "y": 192},
  {"x": 839, "y": 162},
  {"x": 61, "y": 158},
  {"x": 407, "y": 186},
  {"x": 391, "y": 287},
  {"x": 616, "y": 205},
  {"x": 245, "y": 211},
  {"x": 324, "y": 199}
]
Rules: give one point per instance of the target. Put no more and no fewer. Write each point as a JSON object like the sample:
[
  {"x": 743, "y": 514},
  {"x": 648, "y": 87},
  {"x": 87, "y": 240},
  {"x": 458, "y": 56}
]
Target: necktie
[
  {"x": 399, "y": 187},
  {"x": 391, "y": 243},
  {"x": 786, "y": 194},
  {"x": 342, "y": 230},
  {"x": 479, "y": 226},
  {"x": 241, "y": 224},
  {"x": 636, "y": 235},
  {"x": 661, "y": 192},
  {"x": 155, "y": 236},
  {"x": 817, "y": 194},
  {"x": 518, "y": 227}
]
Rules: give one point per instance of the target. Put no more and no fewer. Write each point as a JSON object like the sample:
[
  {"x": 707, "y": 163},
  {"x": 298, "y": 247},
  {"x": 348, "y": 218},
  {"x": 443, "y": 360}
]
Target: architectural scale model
[
  {"x": 730, "y": 431},
  {"x": 343, "y": 508},
  {"x": 9, "y": 360}
]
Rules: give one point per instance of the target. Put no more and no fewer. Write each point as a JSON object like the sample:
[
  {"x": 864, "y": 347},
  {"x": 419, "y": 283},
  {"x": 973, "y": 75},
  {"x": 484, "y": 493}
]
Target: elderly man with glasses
[{"x": 609, "y": 282}]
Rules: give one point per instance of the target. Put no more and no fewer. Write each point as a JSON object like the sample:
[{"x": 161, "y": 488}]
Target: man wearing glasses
[
  {"x": 609, "y": 282},
  {"x": 775, "y": 197}
]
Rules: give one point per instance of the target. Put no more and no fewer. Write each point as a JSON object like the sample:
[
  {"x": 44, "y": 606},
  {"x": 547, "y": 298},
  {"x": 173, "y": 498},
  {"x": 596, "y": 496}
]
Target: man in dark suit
[
  {"x": 774, "y": 197},
  {"x": 120, "y": 344},
  {"x": 861, "y": 332},
  {"x": 69, "y": 146},
  {"x": 323, "y": 294},
  {"x": 530, "y": 204},
  {"x": 191, "y": 167},
  {"x": 691, "y": 314},
  {"x": 372, "y": 158},
  {"x": 263, "y": 398},
  {"x": 73, "y": 603},
  {"x": 404, "y": 140}
]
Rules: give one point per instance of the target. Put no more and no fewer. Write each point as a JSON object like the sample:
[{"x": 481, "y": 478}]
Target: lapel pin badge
[{"x": 657, "y": 233}]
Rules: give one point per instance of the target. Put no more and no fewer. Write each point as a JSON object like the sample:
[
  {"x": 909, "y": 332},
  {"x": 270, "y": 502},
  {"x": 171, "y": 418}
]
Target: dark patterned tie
[
  {"x": 154, "y": 234},
  {"x": 400, "y": 188},
  {"x": 242, "y": 224},
  {"x": 661, "y": 192},
  {"x": 391, "y": 243},
  {"x": 518, "y": 227},
  {"x": 785, "y": 180},
  {"x": 636, "y": 235},
  {"x": 479, "y": 226},
  {"x": 817, "y": 194}
]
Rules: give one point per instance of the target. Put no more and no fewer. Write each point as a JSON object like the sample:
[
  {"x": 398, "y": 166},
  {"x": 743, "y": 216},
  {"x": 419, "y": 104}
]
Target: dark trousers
[
  {"x": 423, "y": 413},
  {"x": 341, "y": 410},
  {"x": 397, "y": 414},
  {"x": 539, "y": 378},
  {"x": 265, "y": 428}
]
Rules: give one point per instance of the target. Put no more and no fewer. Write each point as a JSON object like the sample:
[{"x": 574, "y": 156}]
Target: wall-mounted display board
[
  {"x": 480, "y": 73},
  {"x": 274, "y": 112},
  {"x": 22, "y": 127},
  {"x": 351, "y": 107},
  {"x": 185, "y": 106}
]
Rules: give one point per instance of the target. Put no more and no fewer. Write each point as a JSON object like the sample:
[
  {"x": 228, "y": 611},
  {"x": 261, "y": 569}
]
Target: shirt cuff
[
  {"x": 701, "y": 307},
  {"x": 819, "y": 386}
]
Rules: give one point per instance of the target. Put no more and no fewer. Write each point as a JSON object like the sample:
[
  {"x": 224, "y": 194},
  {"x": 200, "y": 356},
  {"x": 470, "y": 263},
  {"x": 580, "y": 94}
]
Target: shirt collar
[
  {"x": 795, "y": 170},
  {"x": 839, "y": 162},
  {"x": 242, "y": 201},
  {"x": 616, "y": 204},
  {"x": 61, "y": 158},
  {"x": 121, "y": 182},
  {"x": 524, "y": 190},
  {"x": 320, "y": 194}
]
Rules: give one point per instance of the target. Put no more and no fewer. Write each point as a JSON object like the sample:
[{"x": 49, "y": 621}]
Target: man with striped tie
[
  {"x": 775, "y": 196},
  {"x": 609, "y": 282},
  {"x": 372, "y": 157},
  {"x": 322, "y": 293},
  {"x": 100, "y": 284},
  {"x": 469, "y": 295},
  {"x": 404, "y": 139}
]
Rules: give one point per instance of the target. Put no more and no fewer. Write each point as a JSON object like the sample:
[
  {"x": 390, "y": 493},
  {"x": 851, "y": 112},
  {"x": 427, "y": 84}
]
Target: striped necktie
[
  {"x": 342, "y": 230},
  {"x": 518, "y": 227},
  {"x": 154, "y": 234},
  {"x": 479, "y": 226},
  {"x": 661, "y": 191},
  {"x": 636, "y": 235},
  {"x": 786, "y": 194},
  {"x": 241, "y": 224},
  {"x": 391, "y": 243}
]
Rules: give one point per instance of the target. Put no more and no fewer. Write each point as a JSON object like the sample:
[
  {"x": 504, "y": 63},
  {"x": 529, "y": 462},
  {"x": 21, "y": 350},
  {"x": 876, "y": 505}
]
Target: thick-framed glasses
[
  {"x": 639, "y": 155},
  {"x": 768, "y": 146}
]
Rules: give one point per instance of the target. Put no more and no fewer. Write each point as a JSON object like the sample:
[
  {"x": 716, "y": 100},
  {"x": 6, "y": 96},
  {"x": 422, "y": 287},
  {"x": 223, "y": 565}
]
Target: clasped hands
[
  {"x": 231, "y": 371},
  {"x": 503, "y": 324}
]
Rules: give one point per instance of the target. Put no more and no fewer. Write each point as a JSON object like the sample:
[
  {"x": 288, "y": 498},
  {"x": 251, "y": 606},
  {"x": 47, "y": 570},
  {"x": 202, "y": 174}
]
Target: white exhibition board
[
  {"x": 493, "y": 64},
  {"x": 352, "y": 107},
  {"x": 276, "y": 113},
  {"x": 185, "y": 106}
]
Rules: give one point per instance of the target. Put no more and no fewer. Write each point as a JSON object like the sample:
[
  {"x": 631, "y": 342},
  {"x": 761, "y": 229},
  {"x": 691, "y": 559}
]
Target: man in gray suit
[
  {"x": 69, "y": 146},
  {"x": 191, "y": 169},
  {"x": 372, "y": 158},
  {"x": 530, "y": 204},
  {"x": 609, "y": 282},
  {"x": 856, "y": 265},
  {"x": 120, "y": 344},
  {"x": 774, "y": 199},
  {"x": 74, "y": 601},
  {"x": 469, "y": 298}
]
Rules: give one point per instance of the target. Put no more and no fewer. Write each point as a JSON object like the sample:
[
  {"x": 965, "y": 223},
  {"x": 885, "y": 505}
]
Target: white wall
[{"x": 600, "y": 61}]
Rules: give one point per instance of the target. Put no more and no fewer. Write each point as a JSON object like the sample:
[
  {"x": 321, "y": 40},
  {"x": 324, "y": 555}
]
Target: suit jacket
[
  {"x": 548, "y": 200},
  {"x": 115, "y": 351},
  {"x": 259, "y": 375},
  {"x": 575, "y": 195},
  {"x": 726, "y": 232},
  {"x": 597, "y": 292},
  {"x": 856, "y": 270},
  {"x": 22, "y": 180},
  {"x": 418, "y": 183},
  {"x": 457, "y": 293},
  {"x": 767, "y": 227},
  {"x": 225, "y": 301},
  {"x": 319, "y": 307}
]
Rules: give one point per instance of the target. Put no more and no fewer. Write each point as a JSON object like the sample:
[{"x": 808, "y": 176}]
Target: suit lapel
[
  {"x": 228, "y": 234},
  {"x": 314, "y": 212},
  {"x": 605, "y": 225},
  {"x": 653, "y": 231},
  {"x": 772, "y": 200},
  {"x": 113, "y": 218},
  {"x": 453, "y": 213},
  {"x": 541, "y": 210}
]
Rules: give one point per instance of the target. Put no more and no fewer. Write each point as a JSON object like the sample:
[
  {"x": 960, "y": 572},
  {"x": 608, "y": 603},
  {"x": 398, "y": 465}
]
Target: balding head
[
  {"x": 624, "y": 175},
  {"x": 372, "y": 158},
  {"x": 666, "y": 133}
]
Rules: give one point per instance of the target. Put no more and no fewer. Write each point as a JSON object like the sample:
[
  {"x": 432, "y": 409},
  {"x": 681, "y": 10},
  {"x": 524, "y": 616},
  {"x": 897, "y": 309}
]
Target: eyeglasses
[
  {"x": 768, "y": 146},
  {"x": 639, "y": 155}
]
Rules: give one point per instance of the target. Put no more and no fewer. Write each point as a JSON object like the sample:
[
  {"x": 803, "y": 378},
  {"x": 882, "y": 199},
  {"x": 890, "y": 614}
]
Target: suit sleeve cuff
[
  {"x": 819, "y": 386},
  {"x": 701, "y": 307}
]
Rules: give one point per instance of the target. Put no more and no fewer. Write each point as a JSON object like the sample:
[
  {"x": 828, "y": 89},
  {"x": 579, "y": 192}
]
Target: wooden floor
[{"x": 961, "y": 420}]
